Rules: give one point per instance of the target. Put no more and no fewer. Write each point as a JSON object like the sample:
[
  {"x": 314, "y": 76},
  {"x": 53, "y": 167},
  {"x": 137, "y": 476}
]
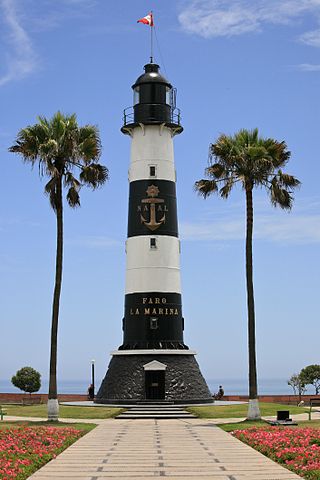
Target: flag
[{"x": 147, "y": 20}]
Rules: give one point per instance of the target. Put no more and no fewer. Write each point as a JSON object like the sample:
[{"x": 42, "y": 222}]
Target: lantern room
[{"x": 154, "y": 102}]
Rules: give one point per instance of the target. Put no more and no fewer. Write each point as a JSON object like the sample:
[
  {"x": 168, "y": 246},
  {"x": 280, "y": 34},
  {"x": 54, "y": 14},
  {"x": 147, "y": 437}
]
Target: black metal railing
[{"x": 174, "y": 118}]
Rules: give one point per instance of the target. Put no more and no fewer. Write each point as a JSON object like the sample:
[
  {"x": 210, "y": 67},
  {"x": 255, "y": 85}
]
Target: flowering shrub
[
  {"x": 25, "y": 449},
  {"x": 297, "y": 449}
]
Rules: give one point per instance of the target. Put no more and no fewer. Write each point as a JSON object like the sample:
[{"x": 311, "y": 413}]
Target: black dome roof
[{"x": 151, "y": 75}]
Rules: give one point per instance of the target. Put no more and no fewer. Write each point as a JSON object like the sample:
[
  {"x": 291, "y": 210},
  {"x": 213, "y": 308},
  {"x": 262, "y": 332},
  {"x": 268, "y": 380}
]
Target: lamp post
[{"x": 92, "y": 376}]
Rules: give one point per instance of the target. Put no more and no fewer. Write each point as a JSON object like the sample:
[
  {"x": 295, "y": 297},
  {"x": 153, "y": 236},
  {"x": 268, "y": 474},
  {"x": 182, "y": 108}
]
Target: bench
[
  {"x": 32, "y": 400},
  {"x": 313, "y": 402},
  {"x": 283, "y": 419},
  {"x": 2, "y": 412}
]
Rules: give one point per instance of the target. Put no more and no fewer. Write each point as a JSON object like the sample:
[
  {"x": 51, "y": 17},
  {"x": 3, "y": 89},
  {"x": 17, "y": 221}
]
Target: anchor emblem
[{"x": 152, "y": 201}]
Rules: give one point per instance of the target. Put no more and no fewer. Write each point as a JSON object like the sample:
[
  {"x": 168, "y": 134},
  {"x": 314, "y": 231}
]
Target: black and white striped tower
[{"x": 153, "y": 363}]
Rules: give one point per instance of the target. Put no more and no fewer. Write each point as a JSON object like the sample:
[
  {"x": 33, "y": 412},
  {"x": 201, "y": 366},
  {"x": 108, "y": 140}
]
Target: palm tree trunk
[
  {"x": 253, "y": 390},
  {"x": 56, "y": 296}
]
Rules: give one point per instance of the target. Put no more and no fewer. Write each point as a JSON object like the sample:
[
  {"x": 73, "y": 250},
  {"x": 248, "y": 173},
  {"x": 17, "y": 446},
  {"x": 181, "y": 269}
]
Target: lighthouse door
[{"x": 155, "y": 384}]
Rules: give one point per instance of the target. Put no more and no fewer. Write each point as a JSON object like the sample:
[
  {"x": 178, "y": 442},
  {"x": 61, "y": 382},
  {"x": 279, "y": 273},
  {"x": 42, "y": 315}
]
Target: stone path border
[{"x": 174, "y": 449}]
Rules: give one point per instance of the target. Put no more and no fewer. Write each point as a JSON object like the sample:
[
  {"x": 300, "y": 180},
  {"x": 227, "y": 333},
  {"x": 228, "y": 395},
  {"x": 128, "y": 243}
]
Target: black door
[{"x": 155, "y": 385}]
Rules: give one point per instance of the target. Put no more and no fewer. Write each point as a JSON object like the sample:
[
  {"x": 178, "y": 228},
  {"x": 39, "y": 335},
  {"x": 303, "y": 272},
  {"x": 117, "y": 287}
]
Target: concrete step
[
  {"x": 155, "y": 402},
  {"x": 132, "y": 416},
  {"x": 155, "y": 412},
  {"x": 137, "y": 412},
  {"x": 155, "y": 409}
]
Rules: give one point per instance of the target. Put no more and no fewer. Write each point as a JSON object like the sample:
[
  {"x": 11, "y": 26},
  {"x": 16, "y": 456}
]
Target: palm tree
[
  {"x": 60, "y": 147},
  {"x": 252, "y": 161}
]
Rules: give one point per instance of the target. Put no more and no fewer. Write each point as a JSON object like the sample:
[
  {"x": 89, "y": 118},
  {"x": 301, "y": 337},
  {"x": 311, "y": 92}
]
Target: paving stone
[{"x": 145, "y": 449}]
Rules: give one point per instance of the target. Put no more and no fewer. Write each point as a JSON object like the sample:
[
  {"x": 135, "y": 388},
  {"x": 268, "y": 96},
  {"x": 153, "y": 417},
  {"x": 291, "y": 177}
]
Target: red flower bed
[
  {"x": 25, "y": 449},
  {"x": 296, "y": 448}
]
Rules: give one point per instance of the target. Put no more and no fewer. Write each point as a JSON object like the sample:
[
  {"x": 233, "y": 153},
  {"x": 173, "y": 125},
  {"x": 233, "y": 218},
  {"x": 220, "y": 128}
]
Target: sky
[{"x": 236, "y": 64}]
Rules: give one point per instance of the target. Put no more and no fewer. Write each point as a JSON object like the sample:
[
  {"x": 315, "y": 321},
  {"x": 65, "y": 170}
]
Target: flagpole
[{"x": 151, "y": 35}]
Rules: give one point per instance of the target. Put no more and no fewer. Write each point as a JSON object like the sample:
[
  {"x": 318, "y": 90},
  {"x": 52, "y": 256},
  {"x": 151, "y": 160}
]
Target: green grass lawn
[
  {"x": 239, "y": 411},
  {"x": 64, "y": 411},
  {"x": 222, "y": 411},
  {"x": 230, "y": 427}
]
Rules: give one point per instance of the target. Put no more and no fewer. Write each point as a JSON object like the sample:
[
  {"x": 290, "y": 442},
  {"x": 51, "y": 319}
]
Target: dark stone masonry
[{"x": 125, "y": 380}]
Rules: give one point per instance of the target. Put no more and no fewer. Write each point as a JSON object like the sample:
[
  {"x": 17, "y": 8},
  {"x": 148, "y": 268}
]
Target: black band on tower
[
  {"x": 152, "y": 208},
  {"x": 153, "y": 320}
]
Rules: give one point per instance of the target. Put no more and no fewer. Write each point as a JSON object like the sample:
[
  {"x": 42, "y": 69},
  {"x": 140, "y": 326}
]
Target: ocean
[{"x": 267, "y": 386}]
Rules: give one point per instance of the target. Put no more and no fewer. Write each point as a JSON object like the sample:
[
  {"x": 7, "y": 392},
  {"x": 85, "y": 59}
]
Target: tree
[
  {"x": 61, "y": 147},
  {"x": 298, "y": 385},
  {"x": 252, "y": 161},
  {"x": 27, "y": 379},
  {"x": 311, "y": 376}
]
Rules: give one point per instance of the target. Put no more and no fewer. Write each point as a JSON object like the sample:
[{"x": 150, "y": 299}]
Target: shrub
[
  {"x": 27, "y": 379},
  {"x": 310, "y": 375}
]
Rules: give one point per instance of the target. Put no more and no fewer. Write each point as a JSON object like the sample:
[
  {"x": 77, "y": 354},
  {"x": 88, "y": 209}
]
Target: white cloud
[
  {"x": 311, "y": 38},
  {"x": 308, "y": 67},
  {"x": 232, "y": 229},
  {"x": 215, "y": 18},
  {"x": 291, "y": 229},
  {"x": 21, "y": 59},
  {"x": 301, "y": 226}
]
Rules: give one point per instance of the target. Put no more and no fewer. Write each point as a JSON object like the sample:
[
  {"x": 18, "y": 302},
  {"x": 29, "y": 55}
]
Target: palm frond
[
  {"x": 226, "y": 189},
  {"x": 249, "y": 158},
  {"x": 27, "y": 145},
  {"x": 73, "y": 197},
  {"x": 60, "y": 146},
  {"x": 206, "y": 187},
  {"x": 51, "y": 190},
  {"x": 94, "y": 175},
  {"x": 49, "y": 168},
  {"x": 287, "y": 180},
  {"x": 43, "y": 121},
  {"x": 223, "y": 151},
  {"x": 71, "y": 180},
  {"x": 48, "y": 149},
  {"x": 216, "y": 171},
  {"x": 89, "y": 143},
  {"x": 280, "y": 196}
]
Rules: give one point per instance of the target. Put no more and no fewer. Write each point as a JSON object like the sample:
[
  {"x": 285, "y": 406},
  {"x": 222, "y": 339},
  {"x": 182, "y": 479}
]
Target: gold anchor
[{"x": 152, "y": 192}]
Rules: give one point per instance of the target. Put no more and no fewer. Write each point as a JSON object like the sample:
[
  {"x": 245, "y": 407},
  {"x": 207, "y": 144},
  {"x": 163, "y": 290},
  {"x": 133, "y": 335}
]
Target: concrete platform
[
  {"x": 176, "y": 449},
  {"x": 89, "y": 403}
]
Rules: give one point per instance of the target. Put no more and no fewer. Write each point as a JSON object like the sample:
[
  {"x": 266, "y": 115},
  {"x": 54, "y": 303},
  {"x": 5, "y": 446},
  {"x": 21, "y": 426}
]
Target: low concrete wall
[
  {"x": 283, "y": 399},
  {"x": 18, "y": 397}
]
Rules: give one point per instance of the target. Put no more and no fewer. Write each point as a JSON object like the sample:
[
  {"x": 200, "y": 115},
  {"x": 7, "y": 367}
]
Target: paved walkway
[{"x": 174, "y": 449}]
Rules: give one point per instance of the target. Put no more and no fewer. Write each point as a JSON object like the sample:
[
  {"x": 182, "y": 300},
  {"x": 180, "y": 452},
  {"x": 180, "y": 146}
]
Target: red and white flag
[{"x": 147, "y": 20}]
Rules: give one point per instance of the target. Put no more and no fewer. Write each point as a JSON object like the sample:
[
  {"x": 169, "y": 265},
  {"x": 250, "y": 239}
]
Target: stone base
[{"x": 124, "y": 382}]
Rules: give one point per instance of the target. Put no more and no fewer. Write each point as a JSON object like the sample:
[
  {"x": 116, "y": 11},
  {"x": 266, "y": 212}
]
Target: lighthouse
[{"x": 153, "y": 363}]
